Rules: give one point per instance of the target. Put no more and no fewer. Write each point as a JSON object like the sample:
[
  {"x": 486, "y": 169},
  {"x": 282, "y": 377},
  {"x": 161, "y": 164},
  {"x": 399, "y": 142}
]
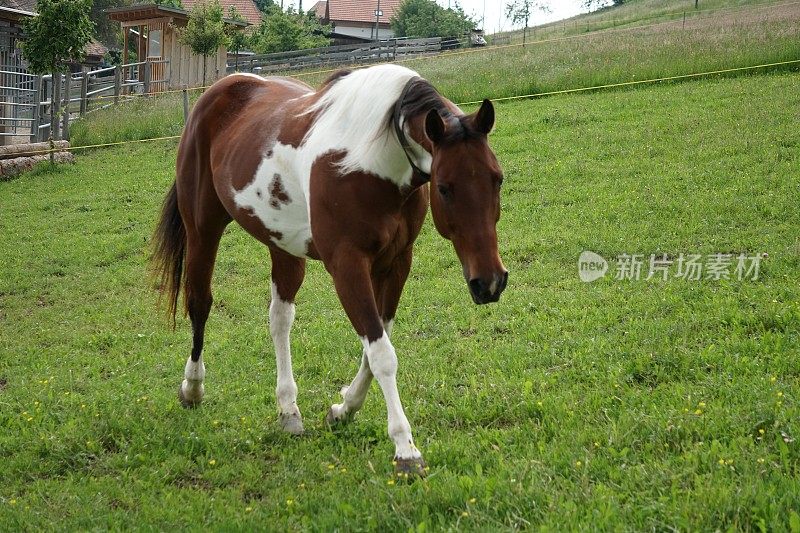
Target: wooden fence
[
  {"x": 34, "y": 108},
  {"x": 337, "y": 55}
]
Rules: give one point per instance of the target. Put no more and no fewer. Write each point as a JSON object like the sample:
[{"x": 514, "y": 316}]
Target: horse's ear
[
  {"x": 434, "y": 126},
  {"x": 484, "y": 118}
]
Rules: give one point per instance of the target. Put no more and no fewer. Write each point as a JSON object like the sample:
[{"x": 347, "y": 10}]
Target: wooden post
[
  {"x": 55, "y": 103},
  {"x": 696, "y": 2},
  {"x": 37, "y": 108},
  {"x": 148, "y": 73},
  {"x": 84, "y": 90},
  {"x": 117, "y": 83},
  {"x": 67, "y": 91},
  {"x": 185, "y": 104}
]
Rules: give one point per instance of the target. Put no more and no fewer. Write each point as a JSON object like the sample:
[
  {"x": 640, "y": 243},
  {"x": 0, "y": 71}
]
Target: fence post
[
  {"x": 55, "y": 103},
  {"x": 394, "y": 53},
  {"x": 148, "y": 72},
  {"x": 117, "y": 83},
  {"x": 695, "y": 3},
  {"x": 67, "y": 91},
  {"x": 185, "y": 104},
  {"x": 37, "y": 108},
  {"x": 84, "y": 91},
  {"x": 684, "y": 21}
]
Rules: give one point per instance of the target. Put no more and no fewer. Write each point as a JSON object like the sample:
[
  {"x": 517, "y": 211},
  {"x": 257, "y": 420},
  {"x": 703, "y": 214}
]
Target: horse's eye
[{"x": 445, "y": 191}]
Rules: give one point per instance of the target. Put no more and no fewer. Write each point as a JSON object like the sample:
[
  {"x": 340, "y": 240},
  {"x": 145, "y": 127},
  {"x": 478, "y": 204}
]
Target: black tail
[{"x": 169, "y": 249}]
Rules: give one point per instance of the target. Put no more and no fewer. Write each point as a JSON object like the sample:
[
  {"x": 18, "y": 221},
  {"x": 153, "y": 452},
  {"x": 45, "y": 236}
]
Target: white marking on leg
[
  {"x": 383, "y": 364},
  {"x": 355, "y": 394},
  {"x": 281, "y": 317},
  {"x": 193, "y": 376}
]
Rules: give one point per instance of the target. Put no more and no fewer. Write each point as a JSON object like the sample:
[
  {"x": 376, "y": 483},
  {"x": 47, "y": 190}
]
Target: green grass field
[{"x": 616, "y": 405}]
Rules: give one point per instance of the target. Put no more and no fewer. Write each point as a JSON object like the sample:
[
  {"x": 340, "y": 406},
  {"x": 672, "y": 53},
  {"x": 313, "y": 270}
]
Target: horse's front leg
[
  {"x": 351, "y": 275},
  {"x": 387, "y": 289}
]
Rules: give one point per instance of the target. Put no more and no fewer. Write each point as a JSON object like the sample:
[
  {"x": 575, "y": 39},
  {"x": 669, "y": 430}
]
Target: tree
[
  {"x": 106, "y": 30},
  {"x": 205, "y": 32},
  {"x": 426, "y": 18},
  {"x": 238, "y": 37},
  {"x": 265, "y": 6},
  {"x": 520, "y": 11},
  {"x": 284, "y": 31},
  {"x": 170, "y": 3},
  {"x": 58, "y": 35}
]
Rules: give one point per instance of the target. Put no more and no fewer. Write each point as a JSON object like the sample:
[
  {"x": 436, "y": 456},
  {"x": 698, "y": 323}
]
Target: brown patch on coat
[{"x": 277, "y": 194}]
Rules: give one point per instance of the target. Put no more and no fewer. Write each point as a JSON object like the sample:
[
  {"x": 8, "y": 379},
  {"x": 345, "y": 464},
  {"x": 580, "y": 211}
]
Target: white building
[{"x": 356, "y": 20}]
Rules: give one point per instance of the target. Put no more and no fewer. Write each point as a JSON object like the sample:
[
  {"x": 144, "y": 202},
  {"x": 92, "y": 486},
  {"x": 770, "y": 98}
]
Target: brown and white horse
[{"x": 339, "y": 174}]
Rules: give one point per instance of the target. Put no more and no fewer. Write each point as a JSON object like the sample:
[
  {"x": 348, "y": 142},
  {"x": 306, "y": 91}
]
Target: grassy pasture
[
  {"x": 635, "y": 13},
  {"x": 611, "y": 405},
  {"x": 724, "y": 40}
]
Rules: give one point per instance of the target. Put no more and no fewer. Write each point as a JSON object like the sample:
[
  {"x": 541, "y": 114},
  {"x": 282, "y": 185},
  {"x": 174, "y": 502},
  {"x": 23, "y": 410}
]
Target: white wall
[{"x": 363, "y": 33}]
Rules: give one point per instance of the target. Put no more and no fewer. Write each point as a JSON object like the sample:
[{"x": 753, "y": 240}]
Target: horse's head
[{"x": 465, "y": 196}]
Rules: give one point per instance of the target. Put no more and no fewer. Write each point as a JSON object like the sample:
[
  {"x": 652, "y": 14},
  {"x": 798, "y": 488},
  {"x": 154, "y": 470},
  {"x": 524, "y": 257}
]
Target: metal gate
[{"x": 18, "y": 91}]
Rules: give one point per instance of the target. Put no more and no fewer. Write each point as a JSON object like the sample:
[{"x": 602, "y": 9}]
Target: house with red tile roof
[{"x": 357, "y": 20}]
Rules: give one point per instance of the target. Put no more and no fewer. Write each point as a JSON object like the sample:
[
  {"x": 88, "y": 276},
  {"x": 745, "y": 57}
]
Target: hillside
[{"x": 634, "y": 13}]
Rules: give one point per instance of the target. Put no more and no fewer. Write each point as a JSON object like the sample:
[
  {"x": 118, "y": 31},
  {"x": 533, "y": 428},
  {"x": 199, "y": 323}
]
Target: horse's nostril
[
  {"x": 476, "y": 286},
  {"x": 505, "y": 281}
]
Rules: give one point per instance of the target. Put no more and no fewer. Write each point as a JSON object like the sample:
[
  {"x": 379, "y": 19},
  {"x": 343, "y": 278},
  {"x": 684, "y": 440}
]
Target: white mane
[{"x": 354, "y": 117}]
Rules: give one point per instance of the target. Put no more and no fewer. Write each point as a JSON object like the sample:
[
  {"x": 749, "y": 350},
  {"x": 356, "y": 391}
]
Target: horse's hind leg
[
  {"x": 201, "y": 253},
  {"x": 287, "y": 276}
]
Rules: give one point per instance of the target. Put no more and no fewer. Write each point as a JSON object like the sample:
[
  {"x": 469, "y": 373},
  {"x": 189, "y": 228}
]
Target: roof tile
[{"x": 362, "y": 10}]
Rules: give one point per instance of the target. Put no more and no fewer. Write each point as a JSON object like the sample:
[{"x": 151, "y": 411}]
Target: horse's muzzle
[{"x": 484, "y": 292}]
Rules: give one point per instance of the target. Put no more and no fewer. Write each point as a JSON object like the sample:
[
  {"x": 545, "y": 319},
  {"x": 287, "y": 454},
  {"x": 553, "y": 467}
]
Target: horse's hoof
[
  {"x": 188, "y": 403},
  {"x": 333, "y": 419},
  {"x": 410, "y": 468},
  {"x": 292, "y": 423}
]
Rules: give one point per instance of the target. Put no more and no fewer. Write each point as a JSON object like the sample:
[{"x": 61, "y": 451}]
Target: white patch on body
[
  {"x": 353, "y": 118},
  {"x": 290, "y": 219}
]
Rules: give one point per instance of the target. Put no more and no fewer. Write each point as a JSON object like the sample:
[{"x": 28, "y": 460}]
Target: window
[{"x": 154, "y": 43}]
